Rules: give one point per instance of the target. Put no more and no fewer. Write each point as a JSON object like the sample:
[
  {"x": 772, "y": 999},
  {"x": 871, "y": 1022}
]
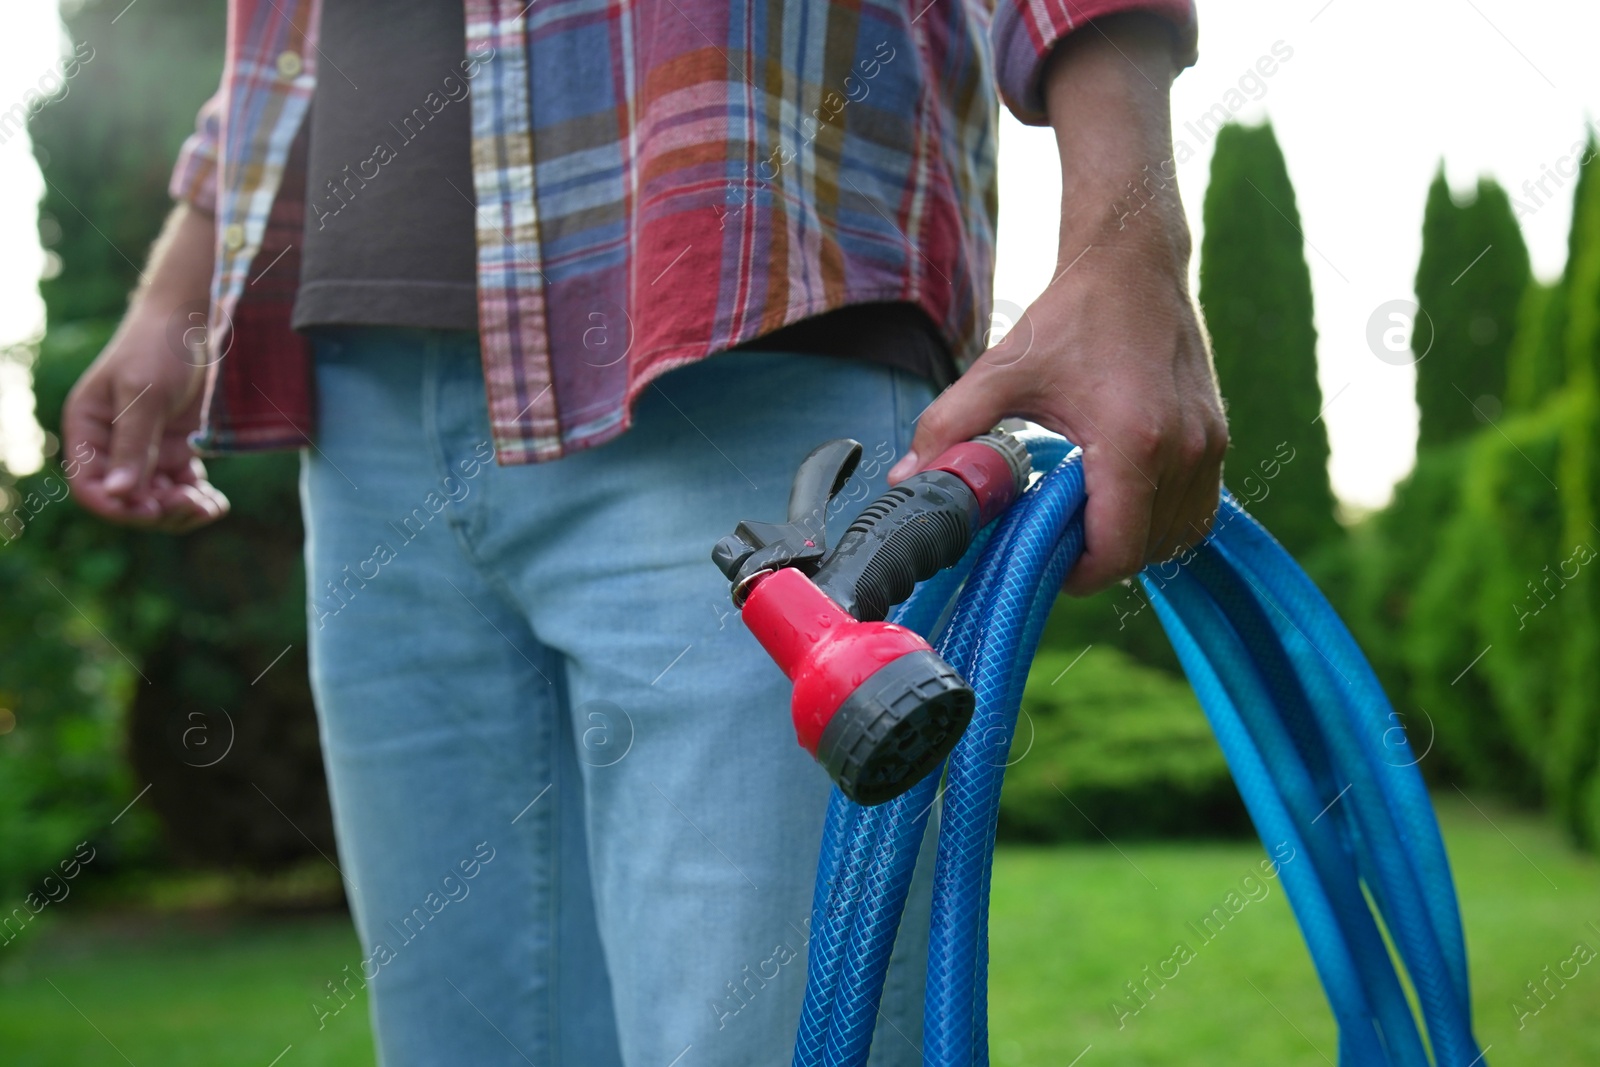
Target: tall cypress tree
[
  {"x": 1470, "y": 283},
  {"x": 1255, "y": 288}
]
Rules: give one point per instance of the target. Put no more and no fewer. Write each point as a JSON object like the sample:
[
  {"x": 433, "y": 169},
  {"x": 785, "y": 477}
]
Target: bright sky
[
  {"x": 30, "y": 39},
  {"x": 1374, "y": 94}
]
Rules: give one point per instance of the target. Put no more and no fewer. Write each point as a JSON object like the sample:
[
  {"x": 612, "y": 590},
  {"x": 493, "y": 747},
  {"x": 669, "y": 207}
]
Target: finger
[
  {"x": 135, "y": 436},
  {"x": 1116, "y": 521},
  {"x": 1180, "y": 503},
  {"x": 188, "y": 499},
  {"x": 1193, "y": 463},
  {"x": 1166, "y": 511},
  {"x": 86, "y": 436},
  {"x": 86, "y": 428},
  {"x": 141, "y": 512},
  {"x": 1194, "y": 518},
  {"x": 190, "y": 471},
  {"x": 215, "y": 495},
  {"x": 174, "y": 456},
  {"x": 185, "y": 508},
  {"x": 179, "y": 503},
  {"x": 194, "y": 473},
  {"x": 1203, "y": 454},
  {"x": 89, "y": 489},
  {"x": 960, "y": 413},
  {"x": 185, "y": 497}
]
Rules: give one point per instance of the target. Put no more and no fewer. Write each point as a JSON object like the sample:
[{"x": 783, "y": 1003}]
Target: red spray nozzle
[{"x": 872, "y": 701}]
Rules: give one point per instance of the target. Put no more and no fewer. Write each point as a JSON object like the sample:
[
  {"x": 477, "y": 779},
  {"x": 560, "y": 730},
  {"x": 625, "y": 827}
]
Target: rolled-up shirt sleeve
[
  {"x": 194, "y": 177},
  {"x": 1023, "y": 33}
]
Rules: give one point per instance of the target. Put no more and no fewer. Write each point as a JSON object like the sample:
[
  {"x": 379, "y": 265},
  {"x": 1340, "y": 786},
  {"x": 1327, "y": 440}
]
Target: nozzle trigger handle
[
  {"x": 820, "y": 477},
  {"x": 910, "y": 533},
  {"x": 923, "y": 525},
  {"x": 802, "y": 542}
]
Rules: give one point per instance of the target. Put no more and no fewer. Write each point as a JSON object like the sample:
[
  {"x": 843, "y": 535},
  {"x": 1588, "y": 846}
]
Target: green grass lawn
[
  {"x": 167, "y": 993},
  {"x": 1071, "y": 925}
]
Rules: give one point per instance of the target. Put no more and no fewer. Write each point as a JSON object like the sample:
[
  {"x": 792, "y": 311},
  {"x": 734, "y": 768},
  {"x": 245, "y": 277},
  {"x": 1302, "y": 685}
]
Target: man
[{"x": 572, "y": 819}]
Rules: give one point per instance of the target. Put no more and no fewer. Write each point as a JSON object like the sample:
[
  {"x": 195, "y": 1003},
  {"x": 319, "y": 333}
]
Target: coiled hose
[{"x": 1307, "y": 733}]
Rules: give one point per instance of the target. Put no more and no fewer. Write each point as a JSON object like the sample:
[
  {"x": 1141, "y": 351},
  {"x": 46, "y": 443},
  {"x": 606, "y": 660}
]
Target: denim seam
[
  {"x": 554, "y": 1044},
  {"x": 544, "y": 817},
  {"x": 430, "y": 401},
  {"x": 546, "y": 825}
]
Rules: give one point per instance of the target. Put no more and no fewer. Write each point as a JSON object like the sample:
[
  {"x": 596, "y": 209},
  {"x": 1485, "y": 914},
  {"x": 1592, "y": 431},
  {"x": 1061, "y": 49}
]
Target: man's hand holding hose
[{"x": 1111, "y": 355}]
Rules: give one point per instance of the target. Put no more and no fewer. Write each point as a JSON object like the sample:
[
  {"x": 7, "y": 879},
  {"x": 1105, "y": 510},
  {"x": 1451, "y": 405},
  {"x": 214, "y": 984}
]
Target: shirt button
[
  {"x": 233, "y": 237},
  {"x": 289, "y": 65}
]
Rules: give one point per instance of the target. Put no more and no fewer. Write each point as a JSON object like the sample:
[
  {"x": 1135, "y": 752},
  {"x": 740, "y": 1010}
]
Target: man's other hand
[{"x": 138, "y": 402}]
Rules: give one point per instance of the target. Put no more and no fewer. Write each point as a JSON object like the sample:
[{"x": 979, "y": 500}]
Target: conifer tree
[
  {"x": 1470, "y": 283},
  {"x": 1255, "y": 289}
]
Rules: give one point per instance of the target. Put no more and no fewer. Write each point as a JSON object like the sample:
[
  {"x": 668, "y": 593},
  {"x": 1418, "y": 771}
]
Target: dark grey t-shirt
[{"x": 389, "y": 233}]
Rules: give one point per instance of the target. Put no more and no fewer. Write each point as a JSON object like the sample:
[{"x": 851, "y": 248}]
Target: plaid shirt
[{"x": 654, "y": 181}]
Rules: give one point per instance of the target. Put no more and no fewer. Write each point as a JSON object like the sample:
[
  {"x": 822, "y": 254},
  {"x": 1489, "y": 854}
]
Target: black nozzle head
[{"x": 896, "y": 728}]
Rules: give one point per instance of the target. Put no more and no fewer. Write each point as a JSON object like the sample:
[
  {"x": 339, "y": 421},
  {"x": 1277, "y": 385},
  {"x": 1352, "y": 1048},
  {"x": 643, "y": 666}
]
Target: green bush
[
  {"x": 62, "y": 690},
  {"x": 1499, "y": 540},
  {"x": 1108, "y": 746},
  {"x": 1535, "y": 362},
  {"x": 64, "y": 685}
]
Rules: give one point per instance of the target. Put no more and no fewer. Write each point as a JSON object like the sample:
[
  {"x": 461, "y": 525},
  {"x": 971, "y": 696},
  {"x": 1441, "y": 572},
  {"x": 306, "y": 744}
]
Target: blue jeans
[{"x": 573, "y": 821}]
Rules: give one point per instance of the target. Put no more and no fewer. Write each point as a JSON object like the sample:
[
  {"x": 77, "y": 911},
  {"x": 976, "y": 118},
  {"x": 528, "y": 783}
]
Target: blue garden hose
[{"x": 1305, "y": 728}]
